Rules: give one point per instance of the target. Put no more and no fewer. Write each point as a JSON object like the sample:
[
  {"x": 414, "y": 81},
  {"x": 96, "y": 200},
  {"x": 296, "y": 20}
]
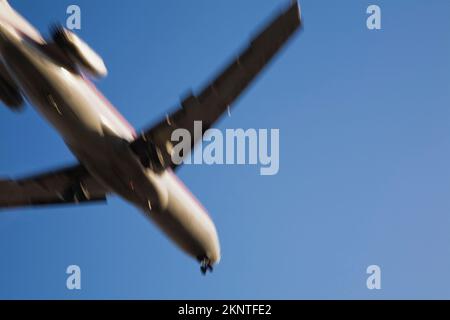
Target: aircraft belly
[
  {"x": 159, "y": 197},
  {"x": 75, "y": 111}
]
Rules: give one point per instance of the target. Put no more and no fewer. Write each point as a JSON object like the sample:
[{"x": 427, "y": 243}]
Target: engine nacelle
[{"x": 80, "y": 52}]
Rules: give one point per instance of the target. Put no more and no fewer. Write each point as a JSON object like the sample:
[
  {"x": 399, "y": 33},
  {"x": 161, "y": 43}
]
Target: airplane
[{"x": 55, "y": 76}]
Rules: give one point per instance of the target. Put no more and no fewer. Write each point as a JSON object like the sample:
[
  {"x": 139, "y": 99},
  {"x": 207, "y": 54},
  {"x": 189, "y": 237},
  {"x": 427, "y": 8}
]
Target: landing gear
[
  {"x": 205, "y": 265},
  {"x": 149, "y": 154}
]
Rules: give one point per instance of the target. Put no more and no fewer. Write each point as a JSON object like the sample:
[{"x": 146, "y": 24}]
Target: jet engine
[{"x": 80, "y": 52}]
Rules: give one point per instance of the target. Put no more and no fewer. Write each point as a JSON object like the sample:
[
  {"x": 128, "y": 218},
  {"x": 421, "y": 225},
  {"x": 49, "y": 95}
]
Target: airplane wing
[
  {"x": 71, "y": 185},
  {"x": 214, "y": 100}
]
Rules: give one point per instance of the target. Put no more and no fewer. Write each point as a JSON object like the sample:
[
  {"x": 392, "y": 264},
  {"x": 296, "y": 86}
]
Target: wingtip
[
  {"x": 295, "y": 9},
  {"x": 299, "y": 8}
]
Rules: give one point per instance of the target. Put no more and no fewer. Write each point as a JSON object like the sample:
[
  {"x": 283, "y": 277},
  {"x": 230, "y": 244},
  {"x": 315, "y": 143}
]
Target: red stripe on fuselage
[{"x": 108, "y": 104}]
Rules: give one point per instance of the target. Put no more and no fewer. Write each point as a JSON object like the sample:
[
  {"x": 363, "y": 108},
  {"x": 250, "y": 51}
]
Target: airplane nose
[
  {"x": 215, "y": 256},
  {"x": 214, "y": 252},
  {"x": 211, "y": 259},
  {"x": 211, "y": 255}
]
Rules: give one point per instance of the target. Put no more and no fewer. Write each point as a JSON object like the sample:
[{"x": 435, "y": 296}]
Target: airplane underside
[{"x": 112, "y": 158}]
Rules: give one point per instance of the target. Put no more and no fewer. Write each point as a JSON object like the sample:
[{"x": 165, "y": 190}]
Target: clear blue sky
[{"x": 364, "y": 121}]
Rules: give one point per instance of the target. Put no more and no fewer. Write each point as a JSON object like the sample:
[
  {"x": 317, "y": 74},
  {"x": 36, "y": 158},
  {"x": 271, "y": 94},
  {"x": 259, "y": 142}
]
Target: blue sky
[{"x": 364, "y": 157}]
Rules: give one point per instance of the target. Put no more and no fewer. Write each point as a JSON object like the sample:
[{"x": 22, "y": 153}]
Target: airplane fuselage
[{"x": 99, "y": 137}]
